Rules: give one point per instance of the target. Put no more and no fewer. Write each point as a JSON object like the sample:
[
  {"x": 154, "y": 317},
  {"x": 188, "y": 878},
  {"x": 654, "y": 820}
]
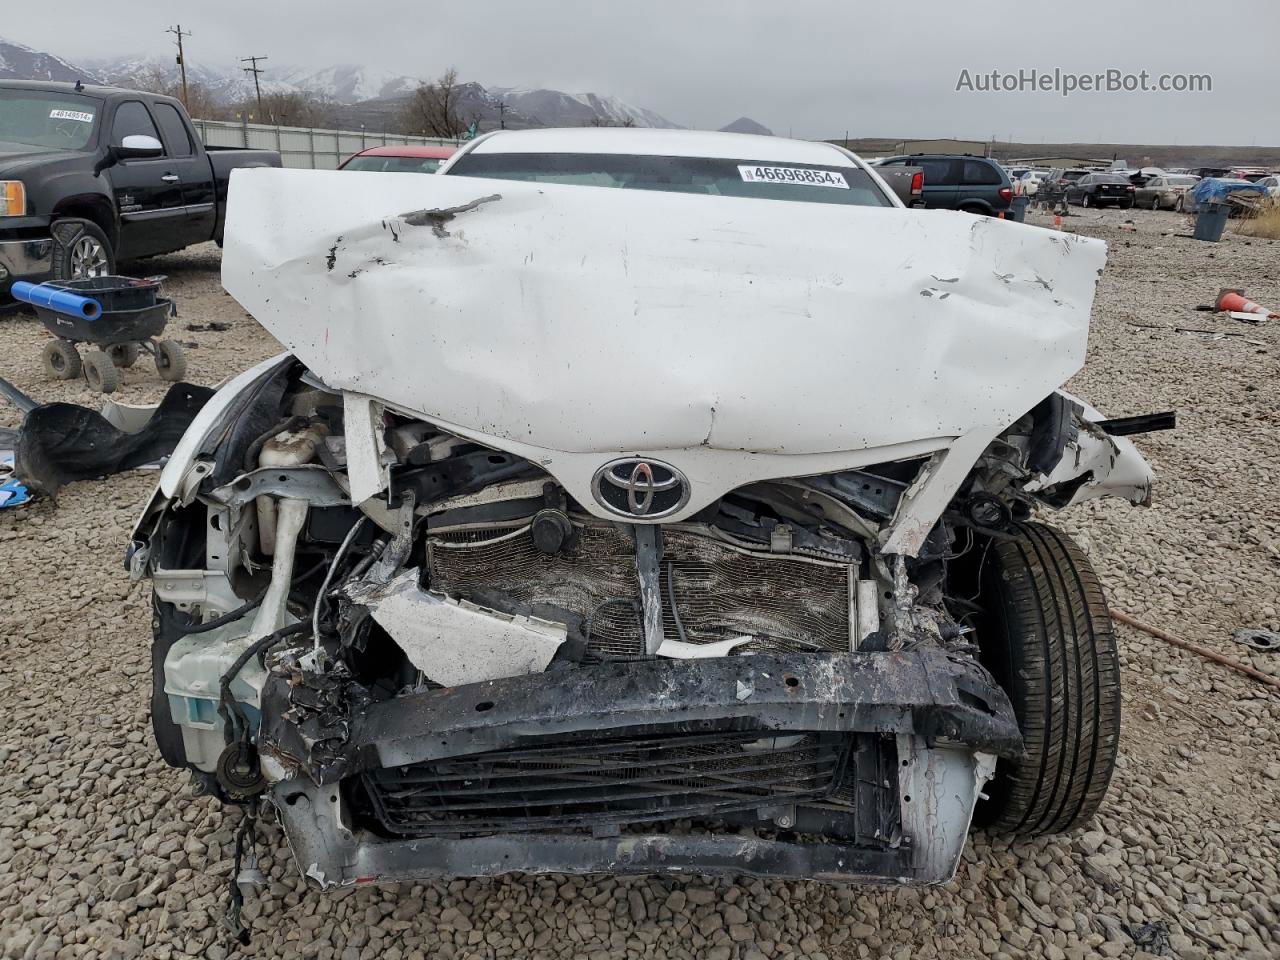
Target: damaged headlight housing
[{"x": 13, "y": 198}]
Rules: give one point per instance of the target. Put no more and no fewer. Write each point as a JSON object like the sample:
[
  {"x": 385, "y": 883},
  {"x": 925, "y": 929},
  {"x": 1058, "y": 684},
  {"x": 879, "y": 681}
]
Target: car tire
[
  {"x": 123, "y": 354},
  {"x": 61, "y": 359},
  {"x": 1047, "y": 637},
  {"x": 100, "y": 372},
  {"x": 1155, "y": 202},
  {"x": 1084, "y": 200},
  {"x": 1126, "y": 204},
  {"x": 82, "y": 250},
  {"x": 171, "y": 362},
  {"x": 973, "y": 209},
  {"x": 1179, "y": 206}
]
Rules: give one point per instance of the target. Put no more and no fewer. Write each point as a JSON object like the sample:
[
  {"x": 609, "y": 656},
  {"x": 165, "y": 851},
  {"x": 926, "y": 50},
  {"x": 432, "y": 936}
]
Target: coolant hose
[{"x": 55, "y": 298}]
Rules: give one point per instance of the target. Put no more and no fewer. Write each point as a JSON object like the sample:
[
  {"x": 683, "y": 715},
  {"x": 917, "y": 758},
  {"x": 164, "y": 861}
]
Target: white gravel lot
[{"x": 105, "y": 853}]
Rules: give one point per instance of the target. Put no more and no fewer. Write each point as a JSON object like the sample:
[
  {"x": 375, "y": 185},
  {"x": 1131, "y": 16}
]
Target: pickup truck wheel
[
  {"x": 1047, "y": 637},
  {"x": 82, "y": 251},
  {"x": 101, "y": 372},
  {"x": 61, "y": 360},
  {"x": 171, "y": 362},
  {"x": 123, "y": 354}
]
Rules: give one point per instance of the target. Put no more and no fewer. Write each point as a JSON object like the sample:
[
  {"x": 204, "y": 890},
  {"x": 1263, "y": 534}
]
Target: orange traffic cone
[{"x": 1230, "y": 301}]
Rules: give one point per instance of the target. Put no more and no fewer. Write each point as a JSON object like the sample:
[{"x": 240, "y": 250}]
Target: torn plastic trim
[
  {"x": 925, "y": 692},
  {"x": 1094, "y": 464},
  {"x": 223, "y": 408}
]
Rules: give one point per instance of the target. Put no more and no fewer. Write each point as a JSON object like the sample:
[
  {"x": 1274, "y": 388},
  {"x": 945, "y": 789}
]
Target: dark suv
[{"x": 972, "y": 184}]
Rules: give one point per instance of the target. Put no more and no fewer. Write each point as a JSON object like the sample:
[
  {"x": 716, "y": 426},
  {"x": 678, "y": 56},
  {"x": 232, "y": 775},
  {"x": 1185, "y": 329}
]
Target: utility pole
[
  {"x": 182, "y": 60},
  {"x": 257, "y": 88},
  {"x": 502, "y": 111}
]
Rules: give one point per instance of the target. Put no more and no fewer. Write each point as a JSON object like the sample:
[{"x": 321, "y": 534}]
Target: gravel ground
[{"x": 104, "y": 852}]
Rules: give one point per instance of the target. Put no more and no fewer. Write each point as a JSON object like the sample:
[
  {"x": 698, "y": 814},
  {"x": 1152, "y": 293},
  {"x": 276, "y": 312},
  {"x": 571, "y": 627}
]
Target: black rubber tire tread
[
  {"x": 100, "y": 372},
  {"x": 62, "y": 255},
  {"x": 124, "y": 354},
  {"x": 1049, "y": 624},
  {"x": 61, "y": 360},
  {"x": 171, "y": 362}
]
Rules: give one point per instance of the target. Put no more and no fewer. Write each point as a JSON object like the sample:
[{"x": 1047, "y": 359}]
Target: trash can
[
  {"x": 1018, "y": 208},
  {"x": 1211, "y": 220}
]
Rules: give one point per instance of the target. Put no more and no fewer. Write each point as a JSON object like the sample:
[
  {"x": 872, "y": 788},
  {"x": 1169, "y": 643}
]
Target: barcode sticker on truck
[
  {"x": 796, "y": 176},
  {"x": 71, "y": 115}
]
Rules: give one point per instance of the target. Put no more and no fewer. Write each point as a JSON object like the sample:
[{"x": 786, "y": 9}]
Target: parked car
[
  {"x": 1272, "y": 183},
  {"x": 1252, "y": 174},
  {"x": 1028, "y": 185},
  {"x": 1054, "y": 186},
  {"x": 906, "y": 182},
  {"x": 399, "y": 158},
  {"x": 972, "y": 184},
  {"x": 1164, "y": 192},
  {"x": 93, "y": 175},
  {"x": 764, "y": 169},
  {"x": 1100, "y": 190},
  {"x": 545, "y": 540}
]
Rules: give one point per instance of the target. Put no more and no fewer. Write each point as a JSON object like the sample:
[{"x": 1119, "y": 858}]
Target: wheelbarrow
[{"x": 120, "y": 316}]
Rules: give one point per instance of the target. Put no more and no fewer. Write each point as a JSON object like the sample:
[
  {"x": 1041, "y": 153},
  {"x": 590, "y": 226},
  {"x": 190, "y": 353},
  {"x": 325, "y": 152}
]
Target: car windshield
[
  {"x": 812, "y": 183},
  {"x": 1109, "y": 178},
  {"x": 59, "y": 121},
  {"x": 394, "y": 164},
  {"x": 1180, "y": 181}
]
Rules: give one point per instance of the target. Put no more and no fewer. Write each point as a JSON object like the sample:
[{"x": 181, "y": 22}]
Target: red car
[{"x": 399, "y": 159}]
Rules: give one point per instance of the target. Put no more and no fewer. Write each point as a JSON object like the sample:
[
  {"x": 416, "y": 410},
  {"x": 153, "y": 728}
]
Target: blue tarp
[{"x": 1216, "y": 189}]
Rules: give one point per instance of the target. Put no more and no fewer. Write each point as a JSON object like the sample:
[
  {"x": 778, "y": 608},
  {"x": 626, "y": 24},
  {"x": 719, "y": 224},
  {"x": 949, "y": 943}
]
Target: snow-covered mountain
[
  {"x": 348, "y": 82},
  {"x": 554, "y": 108},
  {"x": 20, "y": 62},
  {"x": 747, "y": 125},
  {"x": 373, "y": 90},
  {"x": 226, "y": 83}
]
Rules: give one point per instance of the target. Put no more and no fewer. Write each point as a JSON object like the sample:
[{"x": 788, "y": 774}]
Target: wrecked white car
[{"x": 681, "y": 527}]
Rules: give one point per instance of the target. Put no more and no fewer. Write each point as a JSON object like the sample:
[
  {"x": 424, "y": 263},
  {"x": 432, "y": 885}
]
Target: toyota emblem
[{"x": 640, "y": 488}]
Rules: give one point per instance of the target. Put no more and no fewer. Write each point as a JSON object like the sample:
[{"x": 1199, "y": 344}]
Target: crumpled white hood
[{"x": 739, "y": 338}]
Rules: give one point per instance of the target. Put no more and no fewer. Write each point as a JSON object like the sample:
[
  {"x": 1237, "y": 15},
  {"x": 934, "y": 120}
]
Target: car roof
[
  {"x": 86, "y": 89},
  {"x": 662, "y": 143},
  {"x": 425, "y": 151},
  {"x": 945, "y": 156}
]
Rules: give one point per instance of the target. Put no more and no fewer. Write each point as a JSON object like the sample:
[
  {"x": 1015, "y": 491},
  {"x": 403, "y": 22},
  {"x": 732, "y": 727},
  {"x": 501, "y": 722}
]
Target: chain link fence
[{"x": 308, "y": 148}]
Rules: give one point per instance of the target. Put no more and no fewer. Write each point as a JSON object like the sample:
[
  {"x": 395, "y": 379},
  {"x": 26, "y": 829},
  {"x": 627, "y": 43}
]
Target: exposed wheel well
[{"x": 97, "y": 213}]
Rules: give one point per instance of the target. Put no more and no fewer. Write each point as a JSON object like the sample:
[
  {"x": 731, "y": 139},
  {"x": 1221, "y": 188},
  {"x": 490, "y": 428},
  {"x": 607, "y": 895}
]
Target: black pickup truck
[{"x": 93, "y": 175}]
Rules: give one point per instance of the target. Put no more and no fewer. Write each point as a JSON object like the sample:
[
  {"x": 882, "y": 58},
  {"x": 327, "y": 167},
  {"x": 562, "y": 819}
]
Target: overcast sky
[{"x": 814, "y": 68}]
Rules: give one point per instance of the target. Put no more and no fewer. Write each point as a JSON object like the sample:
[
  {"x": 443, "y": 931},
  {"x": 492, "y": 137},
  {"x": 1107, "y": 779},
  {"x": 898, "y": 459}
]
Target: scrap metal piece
[
  {"x": 365, "y": 446},
  {"x": 1264, "y": 641},
  {"x": 648, "y": 569},
  {"x": 454, "y": 642}
]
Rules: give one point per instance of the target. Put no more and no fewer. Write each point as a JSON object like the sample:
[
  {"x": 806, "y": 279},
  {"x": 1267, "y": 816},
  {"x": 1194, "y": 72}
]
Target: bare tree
[
  {"x": 201, "y": 104},
  {"x": 435, "y": 109},
  {"x": 599, "y": 121},
  {"x": 292, "y": 109}
]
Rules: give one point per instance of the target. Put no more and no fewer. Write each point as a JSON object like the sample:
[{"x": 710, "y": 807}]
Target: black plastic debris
[{"x": 63, "y": 442}]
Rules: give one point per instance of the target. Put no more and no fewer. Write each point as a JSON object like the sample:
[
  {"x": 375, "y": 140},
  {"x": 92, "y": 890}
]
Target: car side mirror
[{"x": 138, "y": 146}]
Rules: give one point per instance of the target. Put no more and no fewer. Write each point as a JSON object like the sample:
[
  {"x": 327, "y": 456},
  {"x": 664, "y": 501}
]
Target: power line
[
  {"x": 182, "y": 60},
  {"x": 257, "y": 88}
]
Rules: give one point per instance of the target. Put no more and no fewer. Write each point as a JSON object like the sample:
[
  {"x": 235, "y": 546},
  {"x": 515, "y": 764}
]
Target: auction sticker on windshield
[
  {"x": 798, "y": 176},
  {"x": 71, "y": 115}
]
